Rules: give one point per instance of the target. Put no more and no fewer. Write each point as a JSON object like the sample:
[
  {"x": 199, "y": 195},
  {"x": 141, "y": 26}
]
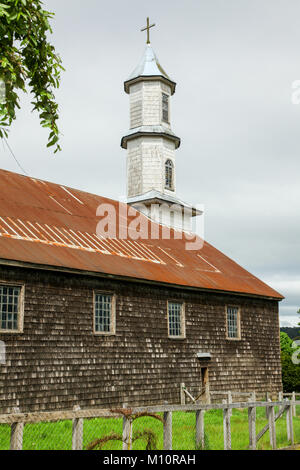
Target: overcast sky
[{"x": 234, "y": 62}]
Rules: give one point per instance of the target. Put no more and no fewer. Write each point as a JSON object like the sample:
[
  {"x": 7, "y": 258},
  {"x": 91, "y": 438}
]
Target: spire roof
[
  {"x": 148, "y": 65},
  {"x": 148, "y": 68}
]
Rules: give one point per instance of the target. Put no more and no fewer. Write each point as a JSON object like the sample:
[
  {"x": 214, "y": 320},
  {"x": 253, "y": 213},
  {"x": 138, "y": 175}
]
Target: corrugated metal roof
[{"x": 51, "y": 225}]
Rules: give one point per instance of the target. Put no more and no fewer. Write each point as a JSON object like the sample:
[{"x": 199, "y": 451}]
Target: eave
[
  {"x": 43, "y": 267},
  {"x": 140, "y": 133},
  {"x": 145, "y": 78}
]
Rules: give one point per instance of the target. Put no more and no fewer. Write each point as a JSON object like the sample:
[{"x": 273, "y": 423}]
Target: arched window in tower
[{"x": 169, "y": 175}]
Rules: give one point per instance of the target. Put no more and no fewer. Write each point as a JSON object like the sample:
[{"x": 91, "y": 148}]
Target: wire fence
[{"x": 182, "y": 427}]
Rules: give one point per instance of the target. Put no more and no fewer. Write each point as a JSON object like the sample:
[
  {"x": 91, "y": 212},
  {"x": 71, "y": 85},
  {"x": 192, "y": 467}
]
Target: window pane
[
  {"x": 9, "y": 307},
  {"x": 175, "y": 319},
  {"x": 232, "y": 322},
  {"x": 103, "y": 310}
]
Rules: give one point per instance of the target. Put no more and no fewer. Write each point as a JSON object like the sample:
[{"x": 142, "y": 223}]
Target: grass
[{"x": 58, "y": 435}]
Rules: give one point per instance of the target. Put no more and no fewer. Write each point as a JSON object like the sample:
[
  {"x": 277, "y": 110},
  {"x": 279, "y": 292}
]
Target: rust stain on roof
[{"x": 49, "y": 224}]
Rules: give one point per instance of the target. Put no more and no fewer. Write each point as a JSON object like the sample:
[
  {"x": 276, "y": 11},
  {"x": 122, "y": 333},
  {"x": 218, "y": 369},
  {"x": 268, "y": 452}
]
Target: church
[{"x": 105, "y": 302}]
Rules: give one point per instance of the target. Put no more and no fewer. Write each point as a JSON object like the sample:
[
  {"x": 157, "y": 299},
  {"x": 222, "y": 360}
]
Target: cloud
[{"x": 288, "y": 322}]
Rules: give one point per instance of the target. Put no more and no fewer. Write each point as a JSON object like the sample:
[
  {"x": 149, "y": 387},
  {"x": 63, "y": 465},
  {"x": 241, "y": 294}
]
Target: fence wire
[
  {"x": 296, "y": 422},
  {"x": 4, "y": 437},
  {"x": 48, "y": 436},
  {"x": 100, "y": 429}
]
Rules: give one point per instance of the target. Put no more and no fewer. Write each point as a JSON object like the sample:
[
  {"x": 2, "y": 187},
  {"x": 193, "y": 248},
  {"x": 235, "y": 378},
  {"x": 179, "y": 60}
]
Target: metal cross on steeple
[{"x": 148, "y": 30}]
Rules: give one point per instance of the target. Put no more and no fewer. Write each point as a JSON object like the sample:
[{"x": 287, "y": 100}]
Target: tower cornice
[
  {"x": 143, "y": 78},
  {"x": 150, "y": 131}
]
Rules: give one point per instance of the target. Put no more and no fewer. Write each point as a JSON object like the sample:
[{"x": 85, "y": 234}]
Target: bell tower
[{"x": 150, "y": 142}]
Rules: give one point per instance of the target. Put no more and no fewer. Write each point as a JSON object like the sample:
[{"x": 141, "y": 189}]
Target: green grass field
[{"x": 58, "y": 435}]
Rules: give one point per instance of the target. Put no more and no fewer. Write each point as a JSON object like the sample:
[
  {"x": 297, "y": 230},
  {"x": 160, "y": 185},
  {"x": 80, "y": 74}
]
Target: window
[
  {"x": 176, "y": 320},
  {"x": 104, "y": 313},
  {"x": 169, "y": 175},
  {"x": 11, "y": 308},
  {"x": 165, "y": 107},
  {"x": 233, "y": 323}
]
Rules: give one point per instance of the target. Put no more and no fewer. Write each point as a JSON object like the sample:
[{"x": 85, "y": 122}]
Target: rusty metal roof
[{"x": 51, "y": 225}]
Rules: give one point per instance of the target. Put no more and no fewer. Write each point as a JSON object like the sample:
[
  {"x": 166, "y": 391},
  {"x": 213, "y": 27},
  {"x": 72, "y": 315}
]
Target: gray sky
[{"x": 234, "y": 62}]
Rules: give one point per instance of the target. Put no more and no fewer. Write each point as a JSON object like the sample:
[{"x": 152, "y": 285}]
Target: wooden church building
[{"x": 93, "y": 320}]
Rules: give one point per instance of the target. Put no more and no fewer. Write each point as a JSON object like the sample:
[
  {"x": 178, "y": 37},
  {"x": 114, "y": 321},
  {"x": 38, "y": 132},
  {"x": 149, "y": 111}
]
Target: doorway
[{"x": 204, "y": 384}]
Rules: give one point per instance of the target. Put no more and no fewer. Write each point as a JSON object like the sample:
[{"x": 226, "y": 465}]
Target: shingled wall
[{"x": 58, "y": 362}]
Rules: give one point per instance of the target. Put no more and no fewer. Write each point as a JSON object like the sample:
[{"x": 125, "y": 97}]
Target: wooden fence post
[
  {"x": 289, "y": 422},
  {"x": 230, "y": 401},
  {"x": 127, "y": 438},
  {"x": 168, "y": 430},
  {"x": 200, "y": 436},
  {"x": 182, "y": 394},
  {"x": 77, "y": 431},
  {"x": 272, "y": 426},
  {"x": 267, "y": 399},
  {"x": 16, "y": 434},
  {"x": 226, "y": 428},
  {"x": 207, "y": 394},
  {"x": 294, "y": 406},
  {"x": 252, "y": 426},
  {"x": 280, "y": 398}
]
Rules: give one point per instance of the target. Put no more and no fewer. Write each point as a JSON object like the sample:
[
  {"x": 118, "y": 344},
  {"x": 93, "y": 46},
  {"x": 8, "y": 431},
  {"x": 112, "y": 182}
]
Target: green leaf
[{"x": 29, "y": 61}]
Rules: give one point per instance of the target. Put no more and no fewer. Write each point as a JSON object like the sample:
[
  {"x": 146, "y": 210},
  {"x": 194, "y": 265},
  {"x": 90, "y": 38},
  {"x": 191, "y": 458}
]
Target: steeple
[
  {"x": 149, "y": 88},
  {"x": 150, "y": 141}
]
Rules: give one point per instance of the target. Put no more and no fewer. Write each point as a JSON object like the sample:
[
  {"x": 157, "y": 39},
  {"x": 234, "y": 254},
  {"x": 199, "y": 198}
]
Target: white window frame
[
  {"x": 20, "y": 308},
  {"x": 238, "y": 337},
  {"x": 112, "y": 330},
  {"x": 182, "y": 320}
]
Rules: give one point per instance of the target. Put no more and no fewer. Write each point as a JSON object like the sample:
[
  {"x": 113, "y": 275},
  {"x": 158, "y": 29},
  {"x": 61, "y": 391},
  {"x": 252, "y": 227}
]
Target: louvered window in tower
[
  {"x": 169, "y": 175},
  {"x": 165, "y": 107}
]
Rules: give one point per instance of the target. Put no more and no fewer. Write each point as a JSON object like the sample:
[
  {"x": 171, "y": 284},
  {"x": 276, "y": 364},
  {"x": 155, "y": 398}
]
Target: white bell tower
[{"x": 151, "y": 144}]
